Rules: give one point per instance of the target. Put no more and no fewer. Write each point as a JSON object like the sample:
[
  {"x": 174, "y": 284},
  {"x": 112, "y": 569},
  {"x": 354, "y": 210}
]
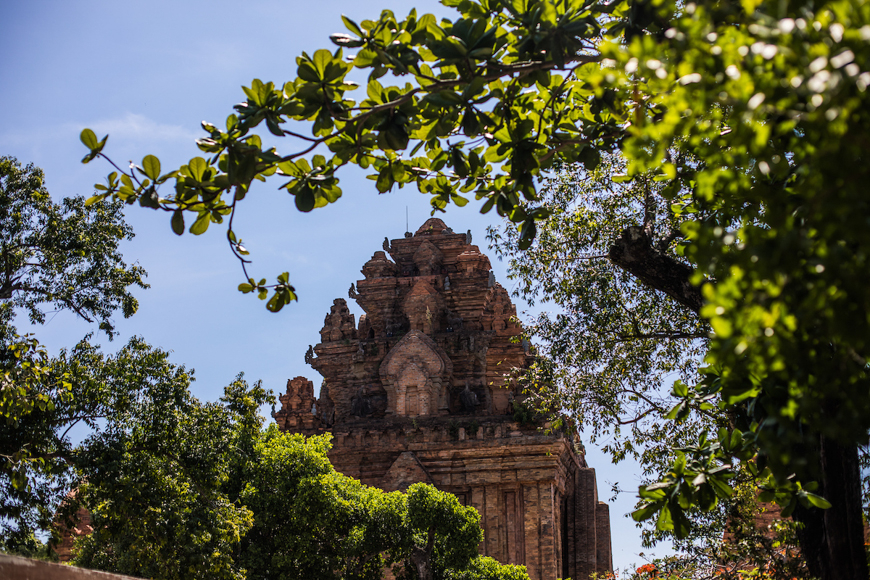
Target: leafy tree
[
  {"x": 29, "y": 442},
  {"x": 486, "y": 568},
  {"x": 610, "y": 352},
  {"x": 64, "y": 256},
  {"x": 149, "y": 470},
  {"x": 294, "y": 517},
  {"x": 152, "y": 476},
  {"x": 311, "y": 521},
  {"x": 752, "y": 114},
  {"x": 28, "y": 546},
  {"x": 442, "y": 534}
]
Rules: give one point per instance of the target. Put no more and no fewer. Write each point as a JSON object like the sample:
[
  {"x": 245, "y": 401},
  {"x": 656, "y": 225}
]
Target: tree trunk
[
  {"x": 832, "y": 540},
  {"x": 422, "y": 562}
]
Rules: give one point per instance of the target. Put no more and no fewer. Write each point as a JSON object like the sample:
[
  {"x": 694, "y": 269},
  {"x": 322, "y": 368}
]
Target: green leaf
[
  {"x": 95, "y": 198},
  {"x": 722, "y": 327},
  {"x": 346, "y": 40},
  {"x": 645, "y": 513},
  {"x": 384, "y": 180},
  {"x": 201, "y": 224},
  {"x": 197, "y": 167},
  {"x": 308, "y": 72},
  {"x": 527, "y": 234},
  {"x": 590, "y": 158},
  {"x": 680, "y": 410},
  {"x": 459, "y": 200},
  {"x": 276, "y": 303},
  {"x": 321, "y": 60},
  {"x": 352, "y": 26},
  {"x": 151, "y": 167},
  {"x": 682, "y": 525},
  {"x": 178, "y": 222},
  {"x": 721, "y": 487},
  {"x": 665, "y": 521},
  {"x": 817, "y": 500},
  {"x": 89, "y": 139},
  {"x": 305, "y": 199},
  {"x": 457, "y": 44}
]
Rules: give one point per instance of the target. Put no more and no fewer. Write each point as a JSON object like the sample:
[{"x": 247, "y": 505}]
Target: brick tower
[{"x": 418, "y": 392}]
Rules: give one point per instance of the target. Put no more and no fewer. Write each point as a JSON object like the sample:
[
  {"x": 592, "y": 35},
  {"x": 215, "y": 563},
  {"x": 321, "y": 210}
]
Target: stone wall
[{"x": 17, "y": 568}]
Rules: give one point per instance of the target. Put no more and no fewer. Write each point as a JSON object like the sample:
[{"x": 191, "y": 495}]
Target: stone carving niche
[
  {"x": 428, "y": 259},
  {"x": 416, "y": 375},
  {"x": 424, "y": 307}
]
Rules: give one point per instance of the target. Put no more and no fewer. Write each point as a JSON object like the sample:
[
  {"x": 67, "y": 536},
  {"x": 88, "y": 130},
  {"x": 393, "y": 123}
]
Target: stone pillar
[
  {"x": 514, "y": 526},
  {"x": 532, "y": 518},
  {"x": 478, "y": 502},
  {"x": 493, "y": 527},
  {"x": 585, "y": 506},
  {"x": 603, "y": 553},
  {"x": 570, "y": 527},
  {"x": 548, "y": 565}
]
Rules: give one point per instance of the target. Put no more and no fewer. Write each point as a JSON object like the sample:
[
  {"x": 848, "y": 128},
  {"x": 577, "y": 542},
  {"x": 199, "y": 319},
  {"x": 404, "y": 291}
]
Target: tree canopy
[
  {"x": 62, "y": 256},
  {"x": 610, "y": 352},
  {"x": 752, "y": 115},
  {"x": 208, "y": 492},
  {"x": 152, "y": 474}
]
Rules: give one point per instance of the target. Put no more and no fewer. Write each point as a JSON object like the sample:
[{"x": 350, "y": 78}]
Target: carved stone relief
[{"x": 414, "y": 375}]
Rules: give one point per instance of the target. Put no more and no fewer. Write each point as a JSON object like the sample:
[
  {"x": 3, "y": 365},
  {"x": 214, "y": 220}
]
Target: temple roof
[
  {"x": 431, "y": 226},
  {"x": 437, "y": 295}
]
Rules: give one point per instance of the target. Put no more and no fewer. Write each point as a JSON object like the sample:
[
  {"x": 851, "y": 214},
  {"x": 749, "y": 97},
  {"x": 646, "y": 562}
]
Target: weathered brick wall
[
  {"x": 17, "y": 568},
  {"x": 82, "y": 520}
]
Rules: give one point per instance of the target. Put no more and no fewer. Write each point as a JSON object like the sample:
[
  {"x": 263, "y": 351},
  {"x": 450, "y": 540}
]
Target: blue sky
[{"x": 147, "y": 73}]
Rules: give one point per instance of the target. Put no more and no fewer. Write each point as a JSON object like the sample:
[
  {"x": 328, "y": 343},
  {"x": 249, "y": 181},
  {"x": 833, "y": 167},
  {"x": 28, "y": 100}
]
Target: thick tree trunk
[{"x": 832, "y": 540}]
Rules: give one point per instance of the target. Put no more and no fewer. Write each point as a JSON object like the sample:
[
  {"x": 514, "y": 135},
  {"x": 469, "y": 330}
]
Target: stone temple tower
[{"x": 419, "y": 391}]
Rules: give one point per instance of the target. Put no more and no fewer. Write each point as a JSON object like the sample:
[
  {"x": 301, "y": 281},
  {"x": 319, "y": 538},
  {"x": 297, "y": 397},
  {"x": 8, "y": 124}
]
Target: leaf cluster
[
  {"x": 64, "y": 255},
  {"x": 489, "y": 100}
]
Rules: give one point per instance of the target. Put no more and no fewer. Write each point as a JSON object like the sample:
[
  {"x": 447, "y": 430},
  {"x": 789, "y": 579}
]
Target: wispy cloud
[
  {"x": 128, "y": 128},
  {"x": 139, "y": 128}
]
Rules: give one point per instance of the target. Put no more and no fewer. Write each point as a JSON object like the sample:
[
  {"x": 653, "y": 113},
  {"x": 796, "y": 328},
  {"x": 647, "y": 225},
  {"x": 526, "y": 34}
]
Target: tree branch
[
  {"x": 668, "y": 335},
  {"x": 635, "y": 253}
]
